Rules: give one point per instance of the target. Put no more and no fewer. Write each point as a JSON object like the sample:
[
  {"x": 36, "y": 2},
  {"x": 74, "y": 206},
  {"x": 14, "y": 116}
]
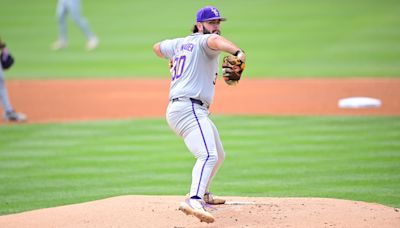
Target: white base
[{"x": 359, "y": 102}]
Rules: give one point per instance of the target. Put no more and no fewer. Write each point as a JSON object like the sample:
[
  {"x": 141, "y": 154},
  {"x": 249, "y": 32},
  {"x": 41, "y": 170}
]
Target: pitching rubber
[
  {"x": 203, "y": 215},
  {"x": 213, "y": 200}
]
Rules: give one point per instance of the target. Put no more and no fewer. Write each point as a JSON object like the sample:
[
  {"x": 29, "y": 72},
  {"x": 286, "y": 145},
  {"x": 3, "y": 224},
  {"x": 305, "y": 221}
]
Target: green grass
[
  {"x": 46, "y": 165},
  {"x": 307, "y": 38}
]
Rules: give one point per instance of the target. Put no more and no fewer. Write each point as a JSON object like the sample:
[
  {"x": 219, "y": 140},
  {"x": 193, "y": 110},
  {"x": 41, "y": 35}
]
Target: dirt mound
[{"x": 161, "y": 211}]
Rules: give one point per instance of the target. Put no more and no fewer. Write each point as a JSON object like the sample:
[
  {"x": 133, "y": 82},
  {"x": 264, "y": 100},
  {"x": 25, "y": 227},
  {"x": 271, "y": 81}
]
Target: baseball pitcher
[{"x": 194, "y": 69}]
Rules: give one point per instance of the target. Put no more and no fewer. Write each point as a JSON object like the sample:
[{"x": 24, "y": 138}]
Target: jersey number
[{"x": 178, "y": 66}]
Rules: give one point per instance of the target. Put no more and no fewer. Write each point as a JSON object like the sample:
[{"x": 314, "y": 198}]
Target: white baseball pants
[{"x": 190, "y": 121}]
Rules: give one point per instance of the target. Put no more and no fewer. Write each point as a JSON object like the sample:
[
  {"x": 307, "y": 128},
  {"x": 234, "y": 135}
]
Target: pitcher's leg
[
  {"x": 220, "y": 153},
  {"x": 201, "y": 144}
]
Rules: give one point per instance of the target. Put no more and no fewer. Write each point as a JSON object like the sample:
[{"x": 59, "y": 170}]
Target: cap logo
[{"x": 215, "y": 11}]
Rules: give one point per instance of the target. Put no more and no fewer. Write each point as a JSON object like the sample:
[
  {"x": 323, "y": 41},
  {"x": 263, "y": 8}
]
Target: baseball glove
[
  {"x": 6, "y": 59},
  {"x": 232, "y": 69}
]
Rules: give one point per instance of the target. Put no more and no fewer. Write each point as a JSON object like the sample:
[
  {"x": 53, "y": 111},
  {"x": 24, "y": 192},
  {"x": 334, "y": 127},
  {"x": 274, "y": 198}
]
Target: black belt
[{"x": 199, "y": 102}]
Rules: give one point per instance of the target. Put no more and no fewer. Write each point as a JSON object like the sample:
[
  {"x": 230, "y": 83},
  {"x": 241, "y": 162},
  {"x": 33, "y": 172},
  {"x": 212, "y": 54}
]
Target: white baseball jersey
[{"x": 195, "y": 67}]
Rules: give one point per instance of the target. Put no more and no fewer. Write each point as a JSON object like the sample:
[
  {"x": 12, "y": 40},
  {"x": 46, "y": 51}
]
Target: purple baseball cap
[{"x": 209, "y": 13}]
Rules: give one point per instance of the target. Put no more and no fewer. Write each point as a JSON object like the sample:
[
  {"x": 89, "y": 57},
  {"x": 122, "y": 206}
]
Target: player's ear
[{"x": 199, "y": 26}]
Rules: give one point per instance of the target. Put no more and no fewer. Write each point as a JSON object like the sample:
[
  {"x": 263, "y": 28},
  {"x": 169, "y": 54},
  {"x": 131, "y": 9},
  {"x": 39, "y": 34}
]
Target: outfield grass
[
  {"x": 47, "y": 165},
  {"x": 282, "y": 38}
]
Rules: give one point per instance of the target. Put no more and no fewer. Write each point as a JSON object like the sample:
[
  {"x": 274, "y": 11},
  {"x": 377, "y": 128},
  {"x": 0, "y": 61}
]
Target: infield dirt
[
  {"x": 82, "y": 100},
  {"x": 86, "y": 99}
]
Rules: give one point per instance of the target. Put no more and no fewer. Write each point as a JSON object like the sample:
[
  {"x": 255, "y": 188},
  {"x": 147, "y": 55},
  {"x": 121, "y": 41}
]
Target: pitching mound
[{"x": 161, "y": 211}]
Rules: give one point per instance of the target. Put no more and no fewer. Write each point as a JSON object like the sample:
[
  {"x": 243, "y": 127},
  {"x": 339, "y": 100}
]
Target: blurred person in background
[
  {"x": 6, "y": 61},
  {"x": 72, "y": 7}
]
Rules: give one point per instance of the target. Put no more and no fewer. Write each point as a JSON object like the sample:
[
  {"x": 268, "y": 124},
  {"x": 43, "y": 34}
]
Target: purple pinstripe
[{"x": 205, "y": 144}]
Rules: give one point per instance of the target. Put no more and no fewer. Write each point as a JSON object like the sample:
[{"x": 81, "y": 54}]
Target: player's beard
[{"x": 206, "y": 31}]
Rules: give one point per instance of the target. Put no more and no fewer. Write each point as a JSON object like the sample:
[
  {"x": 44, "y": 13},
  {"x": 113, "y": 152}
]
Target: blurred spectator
[
  {"x": 73, "y": 7},
  {"x": 6, "y": 61}
]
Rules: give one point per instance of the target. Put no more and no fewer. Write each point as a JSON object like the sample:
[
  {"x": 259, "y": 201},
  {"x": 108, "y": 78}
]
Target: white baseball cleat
[
  {"x": 195, "y": 207},
  {"x": 92, "y": 43},
  {"x": 212, "y": 199}
]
